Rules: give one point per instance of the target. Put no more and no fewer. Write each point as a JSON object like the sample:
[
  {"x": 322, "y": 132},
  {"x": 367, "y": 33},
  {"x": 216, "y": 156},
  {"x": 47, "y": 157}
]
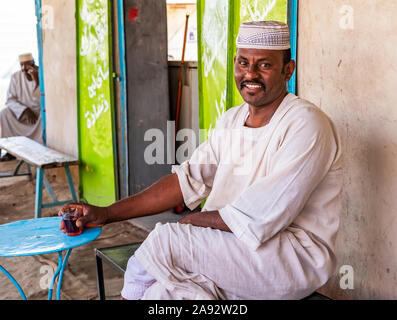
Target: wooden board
[{"x": 36, "y": 154}]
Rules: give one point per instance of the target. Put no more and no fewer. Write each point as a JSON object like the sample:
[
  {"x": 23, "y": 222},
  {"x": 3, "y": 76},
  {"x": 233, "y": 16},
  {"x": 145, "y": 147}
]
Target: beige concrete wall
[
  {"x": 59, "y": 55},
  {"x": 350, "y": 71},
  {"x": 59, "y": 59}
]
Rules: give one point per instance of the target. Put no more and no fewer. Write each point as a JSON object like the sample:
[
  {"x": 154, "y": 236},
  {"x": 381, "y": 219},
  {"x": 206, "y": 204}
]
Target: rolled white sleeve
[
  {"x": 304, "y": 157},
  {"x": 196, "y": 175}
]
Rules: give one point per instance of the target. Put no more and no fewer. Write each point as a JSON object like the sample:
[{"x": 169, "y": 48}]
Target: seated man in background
[
  {"x": 272, "y": 172},
  {"x": 21, "y": 116}
]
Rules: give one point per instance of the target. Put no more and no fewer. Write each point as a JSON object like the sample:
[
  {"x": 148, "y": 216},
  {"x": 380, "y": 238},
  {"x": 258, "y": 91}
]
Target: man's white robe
[
  {"x": 21, "y": 94},
  {"x": 278, "y": 188}
]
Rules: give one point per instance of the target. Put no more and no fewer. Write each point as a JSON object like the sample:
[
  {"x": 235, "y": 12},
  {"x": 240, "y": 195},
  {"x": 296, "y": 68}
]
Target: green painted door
[
  {"x": 95, "y": 102},
  {"x": 213, "y": 25},
  {"x": 218, "y": 25}
]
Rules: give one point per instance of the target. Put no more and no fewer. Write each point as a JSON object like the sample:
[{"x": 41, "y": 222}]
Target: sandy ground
[{"x": 32, "y": 272}]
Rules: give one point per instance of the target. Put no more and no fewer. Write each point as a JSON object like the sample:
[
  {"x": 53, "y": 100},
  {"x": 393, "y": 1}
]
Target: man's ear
[{"x": 289, "y": 69}]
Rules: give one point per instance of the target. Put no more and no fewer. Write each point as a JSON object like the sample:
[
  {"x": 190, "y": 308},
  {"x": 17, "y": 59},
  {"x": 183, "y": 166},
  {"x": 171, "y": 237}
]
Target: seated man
[
  {"x": 272, "y": 173},
  {"x": 21, "y": 116}
]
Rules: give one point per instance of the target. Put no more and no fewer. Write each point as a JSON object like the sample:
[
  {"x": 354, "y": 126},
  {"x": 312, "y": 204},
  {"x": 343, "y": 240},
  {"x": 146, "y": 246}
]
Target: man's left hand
[{"x": 206, "y": 219}]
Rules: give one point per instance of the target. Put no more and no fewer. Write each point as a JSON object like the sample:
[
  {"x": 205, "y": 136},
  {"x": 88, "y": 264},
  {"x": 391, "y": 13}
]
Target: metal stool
[{"x": 117, "y": 257}]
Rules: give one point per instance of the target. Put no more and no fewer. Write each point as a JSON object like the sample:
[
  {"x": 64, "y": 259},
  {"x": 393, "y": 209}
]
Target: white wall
[
  {"x": 350, "y": 71},
  {"x": 59, "y": 46}
]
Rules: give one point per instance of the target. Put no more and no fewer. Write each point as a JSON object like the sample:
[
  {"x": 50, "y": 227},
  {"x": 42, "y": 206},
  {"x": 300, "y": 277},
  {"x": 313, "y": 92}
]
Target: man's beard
[{"x": 247, "y": 95}]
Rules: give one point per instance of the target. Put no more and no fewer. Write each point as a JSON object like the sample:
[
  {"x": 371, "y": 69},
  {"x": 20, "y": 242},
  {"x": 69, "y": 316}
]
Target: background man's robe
[{"x": 21, "y": 94}]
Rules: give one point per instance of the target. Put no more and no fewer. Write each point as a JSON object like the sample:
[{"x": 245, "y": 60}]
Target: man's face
[
  {"x": 26, "y": 66},
  {"x": 260, "y": 75}
]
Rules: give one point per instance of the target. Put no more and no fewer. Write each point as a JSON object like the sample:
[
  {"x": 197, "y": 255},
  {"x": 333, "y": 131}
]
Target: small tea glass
[{"x": 69, "y": 219}]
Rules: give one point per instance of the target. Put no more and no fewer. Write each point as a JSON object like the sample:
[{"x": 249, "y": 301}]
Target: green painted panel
[
  {"x": 213, "y": 55},
  {"x": 95, "y": 102},
  {"x": 218, "y": 25}
]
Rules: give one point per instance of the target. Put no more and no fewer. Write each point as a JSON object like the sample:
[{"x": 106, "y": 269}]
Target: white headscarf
[{"x": 270, "y": 35}]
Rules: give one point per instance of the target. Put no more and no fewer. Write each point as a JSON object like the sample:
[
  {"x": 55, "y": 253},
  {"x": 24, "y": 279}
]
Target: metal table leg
[
  {"x": 16, "y": 173},
  {"x": 40, "y": 179},
  {"x": 49, "y": 189},
  {"x": 28, "y": 171},
  {"x": 39, "y": 193},
  {"x": 61, "y": 274},
  {"x": 99, "y": 277},
  {"x": 70, "y": 182},
  {"x": 55, "y": 275},
  {"x": 59, "y": 271},
  {"x": 16, "y": 284}
]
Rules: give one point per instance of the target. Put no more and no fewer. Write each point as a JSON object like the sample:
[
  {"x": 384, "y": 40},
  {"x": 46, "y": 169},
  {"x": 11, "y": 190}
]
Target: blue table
[{"x": 39, "y": 236}]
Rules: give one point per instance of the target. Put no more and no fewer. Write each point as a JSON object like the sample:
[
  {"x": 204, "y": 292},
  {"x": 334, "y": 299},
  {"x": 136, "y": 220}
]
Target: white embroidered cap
[
  {"x": 25, "y": 57},
  {"x": 270, "y": 35}
]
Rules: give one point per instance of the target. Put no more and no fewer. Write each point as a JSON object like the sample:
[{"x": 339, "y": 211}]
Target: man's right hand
[{"x": 88, "y": 215}]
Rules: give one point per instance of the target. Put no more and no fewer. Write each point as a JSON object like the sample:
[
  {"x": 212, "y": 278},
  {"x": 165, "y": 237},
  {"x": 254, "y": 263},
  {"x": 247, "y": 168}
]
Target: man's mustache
[{"x": 245, "y": 82}]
